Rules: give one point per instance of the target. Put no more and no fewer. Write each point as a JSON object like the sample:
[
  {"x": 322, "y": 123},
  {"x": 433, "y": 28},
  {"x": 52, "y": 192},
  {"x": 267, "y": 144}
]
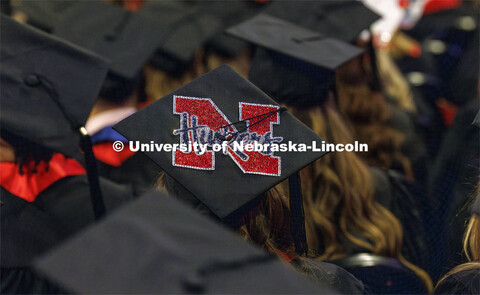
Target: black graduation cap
[
  {"x": 187, "y": 29},
  {"x": 44, "y": 77},
  {"x": 48, "y": 90},
  {"x": 298, "y": 65},
  {"x": 295, "y": 41},
  {"x": 230, "y": 13},
  {"x": 342, "y": 19},
  {"x": 124, "y": 37},
  {"x": 229, "y": 109},
  {"x": 156, "y": 245},
  {"x": 44, "y": 14}
]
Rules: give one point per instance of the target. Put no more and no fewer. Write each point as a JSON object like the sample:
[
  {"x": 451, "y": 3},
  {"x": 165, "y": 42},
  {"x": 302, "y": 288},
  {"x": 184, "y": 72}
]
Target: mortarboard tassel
[
  {"x": 297, "y": 216},
  {"x": 92, "y": 174},
  {"x": 98, "y": 205}
]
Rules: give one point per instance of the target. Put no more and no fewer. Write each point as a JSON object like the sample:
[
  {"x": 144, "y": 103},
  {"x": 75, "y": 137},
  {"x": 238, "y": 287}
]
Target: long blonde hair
[
  {"x": 338, "y": 192},
  {"x": 367, "y": 113}
]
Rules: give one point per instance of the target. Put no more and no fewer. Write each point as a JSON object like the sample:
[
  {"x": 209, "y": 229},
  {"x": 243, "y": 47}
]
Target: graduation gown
[
  {"x": 423, "y": 244},
  {"x": 413, "y": 146},
  {"x": 331, "y": 275},
  {"x": 30, "y": 228},
  {"x": 454, "y": 177},
  {"x": 138, "y": 171},
  {"x": 123, "y": 167}
]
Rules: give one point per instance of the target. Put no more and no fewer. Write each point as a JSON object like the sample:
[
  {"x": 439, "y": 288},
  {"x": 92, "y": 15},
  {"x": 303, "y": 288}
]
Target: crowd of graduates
[{"x": 81, "y": 78}]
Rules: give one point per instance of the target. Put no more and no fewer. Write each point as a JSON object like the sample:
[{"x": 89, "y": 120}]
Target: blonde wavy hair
[
  {"x": 338, "y": 193},
  {"x": 367, "y": 113},
  {"x": 240, "y": 63},
  {"x": 159, "y": 83}
]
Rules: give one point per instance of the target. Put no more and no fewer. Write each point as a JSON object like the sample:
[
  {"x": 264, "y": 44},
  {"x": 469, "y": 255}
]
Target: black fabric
[
  {"x": 423, "y": 243},
  {"x": 454, "y": 176},
  {"x": 44, "y": 14},
  {"x": 187, "y": 30},
  {"x": 342, "y": 19},
  {"x": 428, "y": 24},
  {"x": 33, "y": 88},
  {"x": 98, "y": 204},
  {"x": 463, "y": 282},
  {"x": 181, "y": 252},
  {"x": 290, "y": 81},
  {"x": 331, "y": 275},
  {"x": 295, "y": 41},
  {"x": 62, "y": 209},
  {"x": 230, "y": 13},
  {"x": 137, "y": 171},
  {"x": 386, "y": 279},
  {"x": 225, "y": 189},
  {"x": 463, "y": 84},
  {"x": 26, "y": 281},
  {"x": 126, "y": 38},
  {"x": 413, "y": 146},
  {"x": 297, "y": 224},
  {"x": 32, "y": 229}
]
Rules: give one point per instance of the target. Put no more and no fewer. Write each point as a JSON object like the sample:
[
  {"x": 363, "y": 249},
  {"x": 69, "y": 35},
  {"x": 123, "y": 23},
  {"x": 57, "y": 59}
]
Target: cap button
[{"x": 32, "y": 80}]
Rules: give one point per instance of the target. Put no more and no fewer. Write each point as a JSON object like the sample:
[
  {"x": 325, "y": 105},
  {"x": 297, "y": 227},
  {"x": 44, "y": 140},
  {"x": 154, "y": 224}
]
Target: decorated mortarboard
[
  {"x": 44, "y": 15},
  {"x": 124, "y": 37},
  {"x": 187, "y": 30},
  {"x": 296, "y": 65},
  {"x": 342, "y": 19},
  {"x": 156, "y": 245},
  {"x": 48, "y": 89},
  {"x": 221, "y": 108}
]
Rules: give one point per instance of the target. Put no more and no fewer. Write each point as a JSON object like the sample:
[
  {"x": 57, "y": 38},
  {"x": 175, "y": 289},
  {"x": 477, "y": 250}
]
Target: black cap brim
[{"x": 156, "y": 245}]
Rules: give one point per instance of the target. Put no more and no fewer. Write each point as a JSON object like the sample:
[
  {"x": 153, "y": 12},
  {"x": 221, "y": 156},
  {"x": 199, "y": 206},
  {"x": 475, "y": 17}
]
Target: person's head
[
  {"x": 234, "y": 186},
  {"x": 338, "y": 189}
]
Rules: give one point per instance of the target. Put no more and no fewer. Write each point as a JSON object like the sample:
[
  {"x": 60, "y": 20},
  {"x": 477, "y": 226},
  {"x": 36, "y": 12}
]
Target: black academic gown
[
  {"x": 133, "y": 169},
  {"x": 423, "y": 243},
  {"x": 30, "y": 229},
  {"x": 413, "y": 146},
  {"x": 454, "y": 177},
  {"x": 331, "y": 275},
  {"x": 137, "y": 171},
  {"x": 463, "y": 282}
]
